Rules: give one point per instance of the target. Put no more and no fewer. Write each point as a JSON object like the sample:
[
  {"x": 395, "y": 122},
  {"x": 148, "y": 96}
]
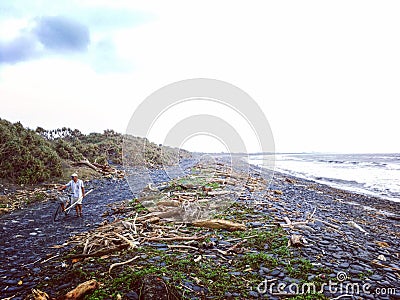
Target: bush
[{"x": 25, "y": 157}]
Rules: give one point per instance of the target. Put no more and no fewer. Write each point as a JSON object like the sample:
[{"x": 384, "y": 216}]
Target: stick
[
  {"x": 131, "y": 244},
  {"x": 122, "y": 263},
  {"x": 312, "y": 214},
  {"x": 374, "y": 262},
  {"x": 327, "y": 223},
  {"x": 134, "y": 225},
  {"x": 239, "y": 239},
  {"x": 176, "y": 238},
  {"x": 32, "y": 263},
  {"x": 182, "y": 247},
  {"x": 85, "y": 247},
  {"x": 235, "y": 246},
  {"x": 46, "y": 260},
  {"x": 219, "y": 224},
  {"x": 287, "y": 220},
  {"x": 101, "y": 252}
]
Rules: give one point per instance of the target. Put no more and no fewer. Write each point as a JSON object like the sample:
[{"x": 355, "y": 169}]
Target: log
[
  {"x": 81, "y": 290},
  {"x": 219, "y": 224},
  {"x": 104, "y": 169},
  {"x": 88, "y": 164},
  {"x": 101, "y": 252}
]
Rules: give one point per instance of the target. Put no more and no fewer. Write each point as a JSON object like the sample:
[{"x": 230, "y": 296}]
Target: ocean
[{"x": 371, "y": 174}]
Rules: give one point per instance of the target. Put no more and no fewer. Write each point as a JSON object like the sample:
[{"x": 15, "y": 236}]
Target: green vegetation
[
  {"x": 29, "y": 157},
  {"x": 215, "y": 279},
  {"x": 25, "y": 157}
]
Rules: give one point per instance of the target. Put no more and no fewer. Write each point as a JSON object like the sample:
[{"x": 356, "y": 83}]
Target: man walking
[{"x": 78, "y": 192}]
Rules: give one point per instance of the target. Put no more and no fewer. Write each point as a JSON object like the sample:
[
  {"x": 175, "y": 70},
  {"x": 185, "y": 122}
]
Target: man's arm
[
  {"x": 63, "y": 187},
  {"x": 83, "y": 192}
]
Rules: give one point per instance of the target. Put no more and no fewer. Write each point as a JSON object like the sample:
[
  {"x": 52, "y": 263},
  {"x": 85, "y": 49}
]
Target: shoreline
[
  {"x": 359, "y": 197},
  {"x": 331, "y": 241}
]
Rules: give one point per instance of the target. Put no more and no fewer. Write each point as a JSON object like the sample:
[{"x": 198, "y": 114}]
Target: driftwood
[
  {"x": 219, "y": 224},
  {"x": 122, "y": 263},
  {"x": 378, "y": 264},
  {"x": 304, "y": 224},
  {"x": 104, "y": 169},
  {"x": 355, "y": 225},
  {"x": 77, "y": 293},
  {"x": 81, "y": 290},
  {"x": 291, "y": 224},
  {"x": 327, "y": 223},
  {"x": 101, "y": 252},
  {"x": 39, "y": 295},
  {"x": 176, "y": 238},
  {"x": 296, "y": 240},
  {"x": 130, "y": 243}
]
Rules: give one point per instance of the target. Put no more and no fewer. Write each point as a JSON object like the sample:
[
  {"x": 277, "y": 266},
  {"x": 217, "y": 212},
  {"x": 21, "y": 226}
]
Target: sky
[{"x": 325, "y": 74}]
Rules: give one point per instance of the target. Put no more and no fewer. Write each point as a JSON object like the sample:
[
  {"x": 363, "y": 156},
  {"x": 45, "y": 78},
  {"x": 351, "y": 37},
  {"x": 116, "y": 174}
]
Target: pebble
[
  {"x": 253, "y": 294},
  {"x": 375, "y": 277},
  {"x": 344, "y": 265},
  {"x": 228, "y": 295},
  {"x": 275, "y": 272},
  {"x": 255, "y": 224},
  {"x": 132, "y": 296}
]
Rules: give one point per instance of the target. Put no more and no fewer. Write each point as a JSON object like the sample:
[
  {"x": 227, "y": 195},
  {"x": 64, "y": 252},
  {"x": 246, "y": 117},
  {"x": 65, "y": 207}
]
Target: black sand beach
[{"x": 342, "y": 244}]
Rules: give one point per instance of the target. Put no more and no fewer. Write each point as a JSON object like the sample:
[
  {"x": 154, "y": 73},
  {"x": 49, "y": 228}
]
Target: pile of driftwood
[
  {"x": 105, "y": 169},
  {"x": 201, "y": 195},
  {"x": 130, "y": 233},
  {"x": 23, "y": 196}
]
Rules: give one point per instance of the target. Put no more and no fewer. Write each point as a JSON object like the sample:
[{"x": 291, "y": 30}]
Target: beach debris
[
  {"x": 381, "y": 257},
  {"x": 355, "y": 225},
  {"x": 290, "y": 224},
  {"x": 77, "y": 293},
  {"x": 39, "y": 295},
  {"x": 327, "y": 224},
  {"x": 296, "y": 240},
  {"x": 4, "y": 210},
  {"x": 81, "y": 290},
  {"x": 219, "y": 224},
  {"x": 105, "y": 169},
  {"x": 292, "y": 181},
  {"x": 122, "y": 263},
  {"x": 382, "y": 244}
]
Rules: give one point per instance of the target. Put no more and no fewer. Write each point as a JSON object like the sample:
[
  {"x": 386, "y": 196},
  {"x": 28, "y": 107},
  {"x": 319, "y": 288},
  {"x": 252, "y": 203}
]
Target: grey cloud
[
  {"x": 60, "y": 33},
  {"x": 48, "y": 35},
  {"x": 22, "y": 48}
]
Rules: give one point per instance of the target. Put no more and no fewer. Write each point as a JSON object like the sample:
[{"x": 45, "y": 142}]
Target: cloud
[
  {"x": 56, "y": 34},
  {"x": 62, "y": 34},
  {"x": 21, "y": 48}
]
